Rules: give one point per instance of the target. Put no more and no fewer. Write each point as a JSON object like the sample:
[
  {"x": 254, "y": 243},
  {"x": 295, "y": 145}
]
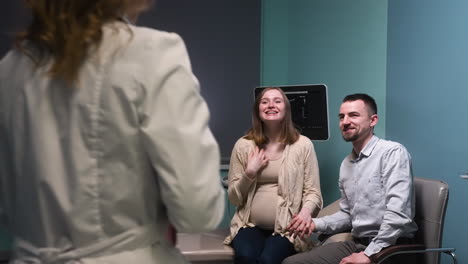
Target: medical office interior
[{"x": 411, "y": 56}]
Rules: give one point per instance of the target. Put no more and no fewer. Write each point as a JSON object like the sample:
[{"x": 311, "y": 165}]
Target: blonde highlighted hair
[{"x": 66, "y": 31}]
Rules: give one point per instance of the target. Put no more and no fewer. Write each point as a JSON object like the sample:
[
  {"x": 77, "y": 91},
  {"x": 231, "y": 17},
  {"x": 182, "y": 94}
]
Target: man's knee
[{"x": 287, "y": 261}]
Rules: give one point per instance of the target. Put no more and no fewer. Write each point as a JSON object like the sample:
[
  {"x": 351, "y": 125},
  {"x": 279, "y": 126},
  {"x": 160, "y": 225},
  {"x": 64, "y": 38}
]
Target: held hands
[
  {"x": 301, "y": 224},
  {"x": 257, "y": 160},
  {"x": 356, "y": 258}
]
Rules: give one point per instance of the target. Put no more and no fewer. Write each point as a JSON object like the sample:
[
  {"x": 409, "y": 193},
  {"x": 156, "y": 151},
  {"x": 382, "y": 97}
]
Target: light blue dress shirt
[{"x": 377, "y": 196}]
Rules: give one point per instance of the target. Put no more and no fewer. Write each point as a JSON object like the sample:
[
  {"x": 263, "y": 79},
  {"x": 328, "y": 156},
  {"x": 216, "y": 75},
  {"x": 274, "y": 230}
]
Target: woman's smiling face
[{"x": 272, "y": 106}]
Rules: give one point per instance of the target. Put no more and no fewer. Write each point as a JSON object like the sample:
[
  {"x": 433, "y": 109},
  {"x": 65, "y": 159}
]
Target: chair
[
  {"x": 431, "y": 203},
  {"x": 326, "y": 238}
]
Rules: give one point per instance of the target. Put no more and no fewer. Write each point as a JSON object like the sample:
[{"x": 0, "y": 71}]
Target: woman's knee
[{"x": 248, "y": 245}]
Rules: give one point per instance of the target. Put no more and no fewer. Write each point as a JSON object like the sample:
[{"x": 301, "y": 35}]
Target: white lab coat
[{"x": 94, "y": 173}]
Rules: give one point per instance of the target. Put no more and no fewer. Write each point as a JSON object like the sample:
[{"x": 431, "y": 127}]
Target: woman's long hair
[
  {"x": 66, "y": 31},
  {"x": 288, "y": 134}
]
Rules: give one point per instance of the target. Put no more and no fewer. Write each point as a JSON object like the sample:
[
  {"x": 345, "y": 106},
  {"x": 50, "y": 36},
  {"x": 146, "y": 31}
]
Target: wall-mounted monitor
[{"x": 309, "y": 108}]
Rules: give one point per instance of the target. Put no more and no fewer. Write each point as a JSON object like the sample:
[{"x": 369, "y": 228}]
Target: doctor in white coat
[{"x": 104, "y": 139}]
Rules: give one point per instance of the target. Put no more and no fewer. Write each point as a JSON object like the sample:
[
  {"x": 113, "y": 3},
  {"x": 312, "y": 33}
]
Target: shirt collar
[{"x": 366, "y": 151}]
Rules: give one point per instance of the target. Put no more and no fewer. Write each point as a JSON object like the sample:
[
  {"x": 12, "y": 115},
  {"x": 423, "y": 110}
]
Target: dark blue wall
[
  {"x": 223, "y": 40},
  {"x": 13, "y": 17}
]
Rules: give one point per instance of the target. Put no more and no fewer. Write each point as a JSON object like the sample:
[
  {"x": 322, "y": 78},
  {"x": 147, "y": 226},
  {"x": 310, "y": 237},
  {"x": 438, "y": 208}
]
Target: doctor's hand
[
  {"x": 257, "y": 160},
  {"x": 301, "y": 224},
  {"x": 356, "y": 258}
]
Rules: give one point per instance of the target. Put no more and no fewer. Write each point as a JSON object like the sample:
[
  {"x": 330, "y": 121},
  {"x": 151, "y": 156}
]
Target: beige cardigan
[{"x": 298, "y": 186}]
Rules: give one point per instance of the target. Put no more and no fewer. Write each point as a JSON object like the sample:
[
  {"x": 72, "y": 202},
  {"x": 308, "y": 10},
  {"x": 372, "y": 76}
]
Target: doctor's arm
[{"x": 181, "y": 146}]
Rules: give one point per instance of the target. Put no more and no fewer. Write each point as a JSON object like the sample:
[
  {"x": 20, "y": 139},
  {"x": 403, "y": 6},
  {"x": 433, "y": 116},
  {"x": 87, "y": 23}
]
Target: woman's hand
[
  {"x": 301, "y": 224},
  {"x": 257, "y": 160}
]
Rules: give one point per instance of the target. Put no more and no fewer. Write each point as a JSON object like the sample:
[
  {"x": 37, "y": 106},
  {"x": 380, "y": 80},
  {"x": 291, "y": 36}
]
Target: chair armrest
[
  {"x": 330, "y": 238},
  {"x": 330, "y": 209},
  {"x": 396, "y": 249}
]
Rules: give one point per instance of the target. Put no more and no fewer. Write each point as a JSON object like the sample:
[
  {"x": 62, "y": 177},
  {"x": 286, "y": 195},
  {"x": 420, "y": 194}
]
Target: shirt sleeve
[
  {"x": 239, "y": 182},
  {"x": 312, "y": 196},
  {"x": 180, "y": 145},
  {"x": 398, "y": 179},
  {"x": 337, "y": 222}
]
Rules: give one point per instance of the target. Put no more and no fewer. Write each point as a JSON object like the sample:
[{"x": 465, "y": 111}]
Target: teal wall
[
  {"x": 412, "y": 56},
  {"x": 427, "y": 94},
  {"x": 340, "y": 43}
]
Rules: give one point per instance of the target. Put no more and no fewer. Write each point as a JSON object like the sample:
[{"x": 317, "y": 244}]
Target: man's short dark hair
[{"x": 367, "y": 99}]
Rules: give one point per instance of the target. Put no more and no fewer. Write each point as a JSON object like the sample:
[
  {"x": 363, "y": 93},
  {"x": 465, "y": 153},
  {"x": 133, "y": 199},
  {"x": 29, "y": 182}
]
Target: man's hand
[
  {"x": 356, "y": 258},
  {"x": 301, "y": 224}
]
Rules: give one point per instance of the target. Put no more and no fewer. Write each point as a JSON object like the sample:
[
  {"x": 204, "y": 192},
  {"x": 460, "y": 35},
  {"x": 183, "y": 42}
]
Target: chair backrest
[{"x": 431, "y": 203}]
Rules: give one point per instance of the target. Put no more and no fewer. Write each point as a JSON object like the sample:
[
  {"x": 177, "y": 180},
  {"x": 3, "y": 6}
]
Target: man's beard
[{"x": 350, "y": 138}]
